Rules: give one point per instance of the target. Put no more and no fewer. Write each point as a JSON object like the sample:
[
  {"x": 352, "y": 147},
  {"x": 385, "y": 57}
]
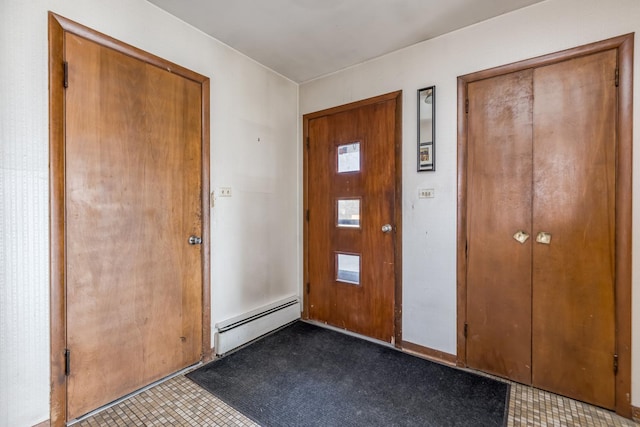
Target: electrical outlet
[
  {"x": 426, "y": 193},
  {"x": 224, "y": 192}
]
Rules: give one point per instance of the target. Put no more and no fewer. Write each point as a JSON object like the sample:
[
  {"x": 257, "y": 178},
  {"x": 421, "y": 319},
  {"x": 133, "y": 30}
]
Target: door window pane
[
  {"x": 348, "y": 267},
  {"x": 349, "y": 157},
  {"x": 349, "y": 213}
]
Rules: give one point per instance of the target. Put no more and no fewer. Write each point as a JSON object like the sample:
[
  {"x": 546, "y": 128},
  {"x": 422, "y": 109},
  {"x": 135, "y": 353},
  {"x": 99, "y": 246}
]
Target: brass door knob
[
  {"x": 544, "y": 238},
  {"x": 521, "y": 236}
]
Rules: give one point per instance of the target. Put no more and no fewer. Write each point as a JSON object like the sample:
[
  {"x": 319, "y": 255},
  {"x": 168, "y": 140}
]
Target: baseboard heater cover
[{"x": 237, "y": 331}]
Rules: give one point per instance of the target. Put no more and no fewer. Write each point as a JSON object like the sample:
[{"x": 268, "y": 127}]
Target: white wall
[
  {"x": 255, "y": 241},
  {"x": 256, "y": 233},
  {"x": 429, "y": 225}
]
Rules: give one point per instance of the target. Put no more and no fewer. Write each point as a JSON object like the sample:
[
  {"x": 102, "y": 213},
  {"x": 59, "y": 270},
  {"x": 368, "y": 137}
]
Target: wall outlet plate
[{"x": 224, "y": 192}]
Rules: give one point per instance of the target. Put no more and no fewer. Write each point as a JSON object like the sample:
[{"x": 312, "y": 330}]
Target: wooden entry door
[
  {"x": 352, "y": 222},
  {"x": 542, "y": 169},
  {"x": 132, "y": 197}
]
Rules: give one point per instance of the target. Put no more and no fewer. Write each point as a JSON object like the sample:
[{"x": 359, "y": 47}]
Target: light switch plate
[{"x": 426, "y": 193}]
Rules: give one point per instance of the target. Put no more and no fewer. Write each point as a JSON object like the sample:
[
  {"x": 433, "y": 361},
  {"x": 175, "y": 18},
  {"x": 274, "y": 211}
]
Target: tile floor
[
  {"x": 179, "y": 402},
  {"x": 532, "y": 407}
]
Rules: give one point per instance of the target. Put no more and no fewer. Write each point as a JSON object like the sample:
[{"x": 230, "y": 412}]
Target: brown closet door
[
  {"x": 499, "y": 205},
  {"x": 574, "y": 201},
  {"x": 133, "y": 197}
]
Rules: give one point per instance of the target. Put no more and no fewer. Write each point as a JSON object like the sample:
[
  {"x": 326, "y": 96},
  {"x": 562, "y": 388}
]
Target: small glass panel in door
[
  {"x": 349, "y": 157},
  {"x": 348, "y": 213},
  {"x": 348, "y": 268}
]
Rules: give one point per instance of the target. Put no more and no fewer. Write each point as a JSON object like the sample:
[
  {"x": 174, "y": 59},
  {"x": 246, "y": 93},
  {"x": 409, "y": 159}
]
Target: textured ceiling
[{"x": 305, "y": 39}]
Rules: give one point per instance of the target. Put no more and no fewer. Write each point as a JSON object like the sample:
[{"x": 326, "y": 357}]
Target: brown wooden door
[
  {"x": 574, "y": 200},
  {"x": 351, "y": 197},
  {"x": 133, "y": 197},
  {"x": 541, "y": 161},
  {"x": 499, "y": 197}
]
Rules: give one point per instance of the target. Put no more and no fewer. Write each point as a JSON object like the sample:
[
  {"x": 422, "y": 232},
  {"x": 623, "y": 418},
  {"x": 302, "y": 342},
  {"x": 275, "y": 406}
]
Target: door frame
[
  {"x": 58, "y": 27},
  {"x": 397, "y": 96},
  {"x": 623, "y": 202}
]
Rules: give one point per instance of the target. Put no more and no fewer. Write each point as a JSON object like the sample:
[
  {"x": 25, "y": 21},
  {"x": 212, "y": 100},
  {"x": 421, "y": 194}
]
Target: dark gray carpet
[{"x": 304, "y": 375}]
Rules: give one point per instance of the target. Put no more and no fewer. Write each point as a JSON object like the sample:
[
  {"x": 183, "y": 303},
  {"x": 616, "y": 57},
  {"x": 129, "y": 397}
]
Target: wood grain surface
[
  {"x": 368, "y": 307},
  {"x": 499, "y": 205},
  {"x": 133, "y": 197},
  {"x": 574, "y": 200}
]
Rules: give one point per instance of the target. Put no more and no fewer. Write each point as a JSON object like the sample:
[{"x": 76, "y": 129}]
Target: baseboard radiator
[{"x": 237, "y": 331}]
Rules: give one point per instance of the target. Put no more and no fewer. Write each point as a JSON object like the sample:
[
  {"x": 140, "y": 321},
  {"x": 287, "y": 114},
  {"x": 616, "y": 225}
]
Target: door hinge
[
  {"x": 67, "y": 362},
  {"x": 466, "y": 106},
  {"x": 615, "y": 363},
  {"x": 308, "y": 143},
  {"x": 65, "y": 66},
  {"x": 617, "y": 77},
  {"x": 307, "y": 215},
  {"x": 466, "y": 330},
  {"x": 308, "y": 287}
]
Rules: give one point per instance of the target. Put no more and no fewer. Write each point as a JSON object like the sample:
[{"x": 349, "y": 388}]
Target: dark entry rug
[{"x": 304, "y": 375}]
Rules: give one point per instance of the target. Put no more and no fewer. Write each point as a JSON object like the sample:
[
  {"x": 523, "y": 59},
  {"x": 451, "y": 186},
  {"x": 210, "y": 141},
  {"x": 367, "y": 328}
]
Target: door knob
[
  {"x": 544, "y": 238},
  {"x": 387, "y": 228},
  {"x": 521, "y": 236},
  {"x": 195, "y": 240}
]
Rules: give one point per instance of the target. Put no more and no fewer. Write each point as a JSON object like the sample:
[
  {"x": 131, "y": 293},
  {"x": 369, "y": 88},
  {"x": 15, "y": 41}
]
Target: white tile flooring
[{"x": 180, "y": 402}]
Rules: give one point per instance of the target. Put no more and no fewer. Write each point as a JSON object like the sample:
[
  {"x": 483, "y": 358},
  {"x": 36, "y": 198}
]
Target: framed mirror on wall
[{"x": 427, "y": 129}]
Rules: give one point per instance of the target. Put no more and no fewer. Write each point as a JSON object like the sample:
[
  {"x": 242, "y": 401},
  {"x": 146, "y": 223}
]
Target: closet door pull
[
  {"x": 544, "y": 238},
  {"x": 521, "y": 236}
]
